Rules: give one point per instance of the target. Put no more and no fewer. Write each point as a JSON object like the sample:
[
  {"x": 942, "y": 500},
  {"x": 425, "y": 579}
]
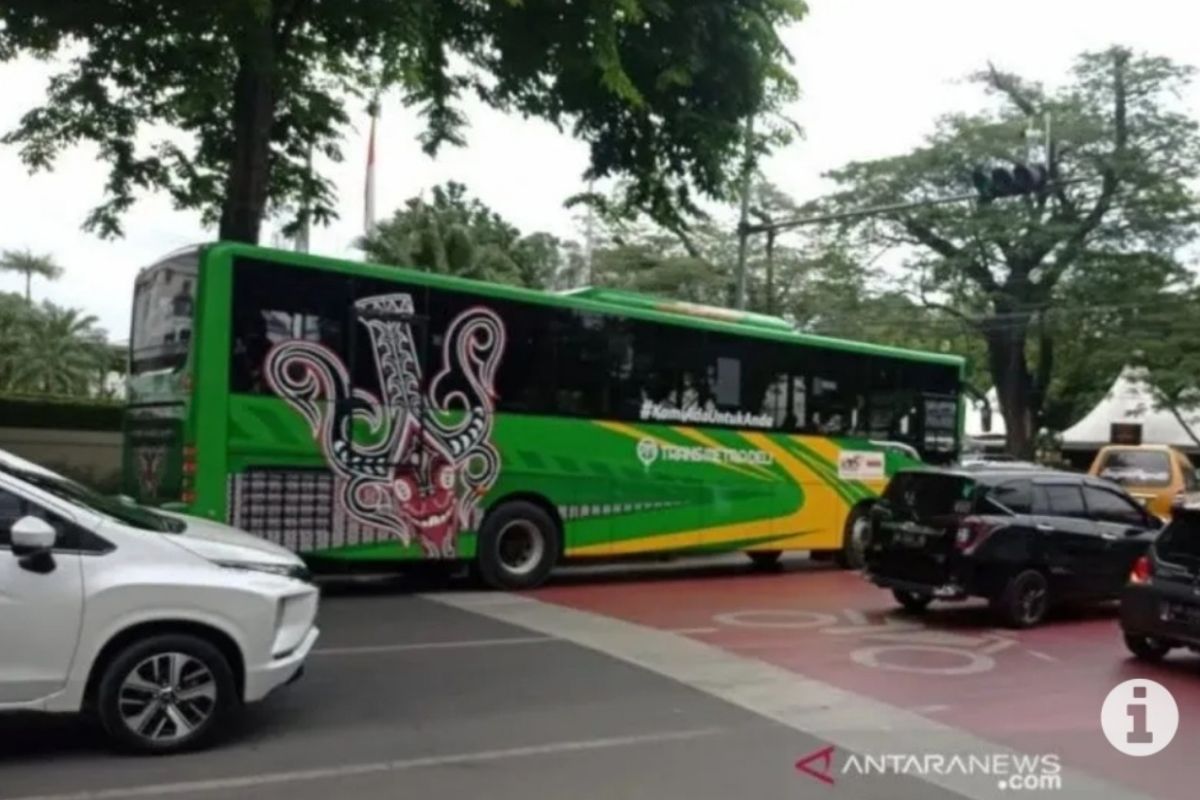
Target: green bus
[{"x": 363, "y": 413}]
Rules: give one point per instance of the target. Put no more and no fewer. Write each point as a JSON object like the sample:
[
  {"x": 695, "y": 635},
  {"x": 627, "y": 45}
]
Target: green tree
[
  {"x": 1007, "y": 268},
  {"x": 59, "y": 351},
  {"x": 29, "y": 264},
  {"x": 455, "y": 234},
  {"x": 1167, "y": 348},
  {"x": 658, "y": 88}
]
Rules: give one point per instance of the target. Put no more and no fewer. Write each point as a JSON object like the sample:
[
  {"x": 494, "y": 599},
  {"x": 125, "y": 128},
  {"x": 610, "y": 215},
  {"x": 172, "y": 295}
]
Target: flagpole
[{"x": 369, "y": 189}]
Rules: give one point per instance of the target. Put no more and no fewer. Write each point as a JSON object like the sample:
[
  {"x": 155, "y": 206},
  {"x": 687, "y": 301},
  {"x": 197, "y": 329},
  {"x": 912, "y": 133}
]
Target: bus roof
[{"x": 612, "y": 301}]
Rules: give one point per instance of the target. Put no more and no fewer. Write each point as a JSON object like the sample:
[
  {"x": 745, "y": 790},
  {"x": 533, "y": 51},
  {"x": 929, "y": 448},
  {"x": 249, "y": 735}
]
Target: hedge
[{"x": 61, "y": 413}]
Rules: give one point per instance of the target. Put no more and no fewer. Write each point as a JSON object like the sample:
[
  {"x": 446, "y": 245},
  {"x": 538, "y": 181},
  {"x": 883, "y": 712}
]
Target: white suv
[{"x": 159, "y": 624}]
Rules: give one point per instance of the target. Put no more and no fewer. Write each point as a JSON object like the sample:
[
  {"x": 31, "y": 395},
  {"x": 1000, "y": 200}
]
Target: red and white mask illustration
[
  {"x": 413, "y": 462},
  {"x": 150, "y": 464}
]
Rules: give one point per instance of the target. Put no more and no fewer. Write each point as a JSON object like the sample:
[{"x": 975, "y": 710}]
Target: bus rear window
[
  {"x": 1137, "y": 467},
  {"x": 163, "y": 301}
]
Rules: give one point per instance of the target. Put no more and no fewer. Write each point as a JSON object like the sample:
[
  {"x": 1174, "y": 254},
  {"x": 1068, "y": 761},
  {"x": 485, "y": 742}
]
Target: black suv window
[
  {"x": 1108, "y": 506},
  {"x": 1059, "y": 500},
  {"x": 1014, "y": 496},
  {"x": 1180, "y": 541}
]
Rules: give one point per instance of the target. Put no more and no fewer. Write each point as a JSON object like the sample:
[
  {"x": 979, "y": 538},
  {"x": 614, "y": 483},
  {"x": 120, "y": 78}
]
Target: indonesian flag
[{"x": 369, "y": 193}]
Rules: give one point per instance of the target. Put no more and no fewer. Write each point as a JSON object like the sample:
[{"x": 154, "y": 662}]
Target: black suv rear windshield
[
  {"x": 1180, "y": 540},
  {"x": 930, "y": 494},
  {"x": 1137, "y": 467}
]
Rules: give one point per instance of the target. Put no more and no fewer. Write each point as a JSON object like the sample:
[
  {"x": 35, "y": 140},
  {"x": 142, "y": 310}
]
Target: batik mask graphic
[
  {"x": 412, "y": 462},
  {"x": 150, "y": 462}
]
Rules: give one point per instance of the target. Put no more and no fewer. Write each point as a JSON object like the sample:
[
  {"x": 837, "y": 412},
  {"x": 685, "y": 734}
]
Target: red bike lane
[{"x": 1035, "y": 691}]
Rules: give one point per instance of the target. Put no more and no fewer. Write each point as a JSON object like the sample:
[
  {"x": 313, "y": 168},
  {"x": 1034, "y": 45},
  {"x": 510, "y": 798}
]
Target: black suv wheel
[
  {"x": 1147, "y": 648},
  {"x": 912, "y": 602},
  {"x": 1025, "y": 599}
]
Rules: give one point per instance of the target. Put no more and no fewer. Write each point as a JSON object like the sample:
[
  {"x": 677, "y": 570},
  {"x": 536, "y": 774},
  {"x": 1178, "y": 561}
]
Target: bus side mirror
[{"x": 985, "y": 418}]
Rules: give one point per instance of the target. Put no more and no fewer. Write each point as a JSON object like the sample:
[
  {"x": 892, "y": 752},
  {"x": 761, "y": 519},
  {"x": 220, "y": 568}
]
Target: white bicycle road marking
[
  {"x": 775, "y": 618},
  {"x": 888, "y": 639},
  {"x": 873, "y": 657}
]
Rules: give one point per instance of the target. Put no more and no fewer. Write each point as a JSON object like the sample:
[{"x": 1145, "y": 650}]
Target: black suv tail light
[
  {"x": 972, "y": 532},
  {"x": 1142, "y": 570}
]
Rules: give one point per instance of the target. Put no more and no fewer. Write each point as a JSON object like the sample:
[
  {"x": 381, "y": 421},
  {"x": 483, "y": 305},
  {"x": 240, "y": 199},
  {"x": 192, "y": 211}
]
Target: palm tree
[
  {"x": 29, "y": 264},
  {"x": 61, "y": 355}
]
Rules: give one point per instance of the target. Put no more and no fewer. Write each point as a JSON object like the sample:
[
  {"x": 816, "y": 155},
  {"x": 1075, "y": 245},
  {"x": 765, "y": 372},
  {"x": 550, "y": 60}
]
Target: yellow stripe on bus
[{"x": 820, "y": 505}]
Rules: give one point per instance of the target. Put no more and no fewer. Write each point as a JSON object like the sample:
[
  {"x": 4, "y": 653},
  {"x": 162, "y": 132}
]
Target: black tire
[
  {"x": 764, "y": 560},
  {"x": 1147, "y": 648},
  {"x": 523, "y": 562},
  {"x": 143, "y": 659},
  {"x": 1025, "y": 599},
  {"x": 854, "y": 539},
  {"x": 912, "y": 602}
]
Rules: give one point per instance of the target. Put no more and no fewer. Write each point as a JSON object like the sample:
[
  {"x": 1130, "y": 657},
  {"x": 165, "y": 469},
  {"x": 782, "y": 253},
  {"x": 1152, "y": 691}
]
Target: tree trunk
[
  {"x": 253, "y": 116},
  {"x": 29, "y": 288},
  {"x": 1014, "y": 385}
]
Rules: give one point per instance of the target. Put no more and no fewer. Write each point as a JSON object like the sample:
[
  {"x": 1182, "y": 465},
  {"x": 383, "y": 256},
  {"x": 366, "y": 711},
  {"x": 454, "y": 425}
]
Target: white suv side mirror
[{"x": 30, "y": 534}]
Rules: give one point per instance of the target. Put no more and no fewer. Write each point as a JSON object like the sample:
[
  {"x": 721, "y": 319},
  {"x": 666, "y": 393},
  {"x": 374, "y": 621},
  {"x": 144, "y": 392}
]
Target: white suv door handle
[
  {"x": 1044, "y": 528},
  {"x": 1110, "y": 536}
]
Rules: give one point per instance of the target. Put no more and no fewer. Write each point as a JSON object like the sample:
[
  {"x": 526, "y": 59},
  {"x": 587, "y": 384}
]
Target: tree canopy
[
  {"x": 658, "y": 89},
  {"x": 49, "y": 350},
  {"x": 455, "y": 234},
  {"x": 1056, "y": 273},
  {"x": 30, "y": 264}
]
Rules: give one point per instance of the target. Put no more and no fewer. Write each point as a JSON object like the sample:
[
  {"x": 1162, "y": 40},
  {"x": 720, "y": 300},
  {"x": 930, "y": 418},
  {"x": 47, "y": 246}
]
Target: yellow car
[{"x": 1156, "y": 475}]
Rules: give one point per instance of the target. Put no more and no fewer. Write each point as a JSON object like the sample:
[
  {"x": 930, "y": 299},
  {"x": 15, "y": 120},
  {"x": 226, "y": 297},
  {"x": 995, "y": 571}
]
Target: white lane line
[
  {"x": 693, "y": 631},
  {"x": 370, "y": 649},
  {"x": 398, "y": 765},
  {"x": 1043, "y": 656},
  {"x": 848, "y": 720}
]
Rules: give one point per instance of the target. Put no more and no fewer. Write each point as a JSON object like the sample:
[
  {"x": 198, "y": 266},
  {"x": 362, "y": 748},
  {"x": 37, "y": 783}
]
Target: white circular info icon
[{"x": 1139, "y": 717}]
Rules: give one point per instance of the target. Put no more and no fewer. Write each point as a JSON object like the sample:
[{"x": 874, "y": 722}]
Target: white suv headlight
[{"x": 297, "y": 571}]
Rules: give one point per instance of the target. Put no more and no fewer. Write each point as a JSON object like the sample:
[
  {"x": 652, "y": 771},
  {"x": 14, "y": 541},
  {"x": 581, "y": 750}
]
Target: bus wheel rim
[{"x": 520, "y": 546}]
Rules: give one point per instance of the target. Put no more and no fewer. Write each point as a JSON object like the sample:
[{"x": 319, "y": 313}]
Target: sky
[{"x": 874, "y": 75}]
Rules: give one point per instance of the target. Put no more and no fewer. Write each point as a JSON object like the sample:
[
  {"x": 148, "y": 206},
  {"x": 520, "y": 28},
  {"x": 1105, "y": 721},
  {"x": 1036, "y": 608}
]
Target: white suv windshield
[{"x": 76, "y": 493}]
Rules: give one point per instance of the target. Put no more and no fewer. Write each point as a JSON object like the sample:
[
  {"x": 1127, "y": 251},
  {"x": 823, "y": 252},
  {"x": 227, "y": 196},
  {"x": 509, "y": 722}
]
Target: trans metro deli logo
[{"x": 650, "y": 451}]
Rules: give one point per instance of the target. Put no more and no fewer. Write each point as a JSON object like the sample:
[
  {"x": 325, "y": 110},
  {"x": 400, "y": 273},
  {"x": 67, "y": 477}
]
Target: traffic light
[{"x": 1021, "y": 180}]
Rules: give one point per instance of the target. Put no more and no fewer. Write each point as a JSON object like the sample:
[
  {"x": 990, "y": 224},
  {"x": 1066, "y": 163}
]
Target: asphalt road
[{"x": 406, "y": 697}]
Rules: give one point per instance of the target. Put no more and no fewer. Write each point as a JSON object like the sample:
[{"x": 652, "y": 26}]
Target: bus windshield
[{"x": 163, "y": 301}]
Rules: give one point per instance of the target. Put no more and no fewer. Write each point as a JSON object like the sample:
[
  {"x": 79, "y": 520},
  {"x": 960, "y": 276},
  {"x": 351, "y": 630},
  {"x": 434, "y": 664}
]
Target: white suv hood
[{"x": 219, "y": 542}]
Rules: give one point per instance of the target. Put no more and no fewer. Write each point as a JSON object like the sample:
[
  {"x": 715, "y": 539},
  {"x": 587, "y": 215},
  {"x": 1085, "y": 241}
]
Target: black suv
[
  {"x": 1160, "y": 607},
  {"x": 1022, "y": 539}
]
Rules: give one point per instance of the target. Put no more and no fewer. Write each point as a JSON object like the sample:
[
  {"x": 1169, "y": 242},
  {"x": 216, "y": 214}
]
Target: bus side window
[{"x": 274, "y": 303}]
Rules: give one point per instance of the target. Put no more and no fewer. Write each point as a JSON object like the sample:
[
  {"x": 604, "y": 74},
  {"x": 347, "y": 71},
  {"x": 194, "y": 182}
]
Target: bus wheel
[
  {"x": 854, "y": 541},
  {"x": 764, "y": 559},
  {"x": 518, "y": 546}
]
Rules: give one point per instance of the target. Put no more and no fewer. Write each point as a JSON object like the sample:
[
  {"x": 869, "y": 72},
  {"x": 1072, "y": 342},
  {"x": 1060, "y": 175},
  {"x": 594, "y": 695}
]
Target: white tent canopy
[{"x": 1130, "y": 400}]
